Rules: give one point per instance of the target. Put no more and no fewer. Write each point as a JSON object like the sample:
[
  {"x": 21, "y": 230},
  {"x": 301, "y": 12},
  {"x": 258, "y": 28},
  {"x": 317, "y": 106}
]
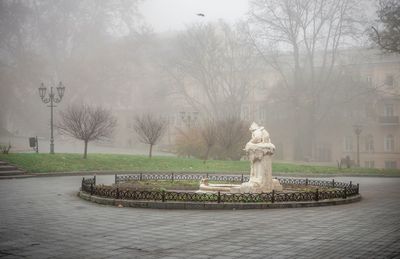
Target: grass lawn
[{"x": 45, "y": 163}]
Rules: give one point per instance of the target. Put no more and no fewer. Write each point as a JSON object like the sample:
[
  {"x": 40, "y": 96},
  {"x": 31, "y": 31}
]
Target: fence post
[
  {"x": 345, "y": 193},
  {"x": 163, "y": 195},
  {"x": 172, "y": 176},
  {"x": 273, "y": 196},
  {"x": 358, "y": 188},
  {"x": 242, "y": 178},
  {"x": 117, "y": 194},
  {"x": 207, "y": 176},
  {"x": 350, "y": 184},
  {"x": 140, "y": 177},
  {"x": 115, "y": 178},
  {"x": 83, "y": 180},
  {"x": 219, "y": 197},
  {"x": 94, "y": 179},
  {"x": 91, "y": 188},
  {"x": 333, "y": 183},
  {"x": 306, "y": 181},
  {"x": 316, "y": 195}
]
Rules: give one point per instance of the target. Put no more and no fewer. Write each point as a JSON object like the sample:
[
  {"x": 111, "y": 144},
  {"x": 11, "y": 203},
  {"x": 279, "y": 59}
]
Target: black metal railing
[
  {"x": 180, "y": 176},
  {"x": 329, "y": 190}
]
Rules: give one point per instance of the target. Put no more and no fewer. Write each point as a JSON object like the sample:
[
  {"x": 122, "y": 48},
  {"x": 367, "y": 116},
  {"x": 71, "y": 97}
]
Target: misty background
[{"x": 302, "y": 69}]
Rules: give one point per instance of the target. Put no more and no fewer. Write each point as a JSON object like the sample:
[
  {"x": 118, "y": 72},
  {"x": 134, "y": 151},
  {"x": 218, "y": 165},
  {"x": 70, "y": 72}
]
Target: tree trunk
[
  {"x": 206, "y": 155},
  {"x": 304, "y": 136},
  {"x": 151, "y": 150},
  {"x": 85, "y": 151}
]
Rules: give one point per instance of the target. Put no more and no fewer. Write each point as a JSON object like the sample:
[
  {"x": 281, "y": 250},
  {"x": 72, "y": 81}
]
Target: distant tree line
[{"x": 287, "y": 50}]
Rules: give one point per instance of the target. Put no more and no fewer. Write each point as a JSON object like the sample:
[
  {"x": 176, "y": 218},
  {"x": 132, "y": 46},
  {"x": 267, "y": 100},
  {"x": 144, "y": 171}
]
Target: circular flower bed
[{"x": 178, "y": 190}]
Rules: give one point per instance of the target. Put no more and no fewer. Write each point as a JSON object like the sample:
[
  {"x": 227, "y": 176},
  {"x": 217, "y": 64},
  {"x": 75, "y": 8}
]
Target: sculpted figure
[
  {"x": 259, "y": 134},
  {"x": 259, "y": 139},
  {"x": 259, "y": 151}
]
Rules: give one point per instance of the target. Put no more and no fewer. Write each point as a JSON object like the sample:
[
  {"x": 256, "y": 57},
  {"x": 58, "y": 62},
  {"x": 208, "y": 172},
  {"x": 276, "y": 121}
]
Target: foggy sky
[
  {"x": 172, "y": 15},
  {"x": 105, "y": 54}
]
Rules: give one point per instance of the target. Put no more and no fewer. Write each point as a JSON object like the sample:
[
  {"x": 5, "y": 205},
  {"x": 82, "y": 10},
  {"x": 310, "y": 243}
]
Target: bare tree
[
  {"x": 189, "y": 143},
  {"x": 149, "y": 129},
  {"x": 214, "y": 69},
  {"x": 310, "y": 33},
  {"x": 208, "y": 132},
  {"x": 388, "y": 38},
  {"x": 232, "y": 134},
  {"x": 86, "y": 123},
  {"x": 221, "y": 139},
  {"x": 78, "y": 42}
]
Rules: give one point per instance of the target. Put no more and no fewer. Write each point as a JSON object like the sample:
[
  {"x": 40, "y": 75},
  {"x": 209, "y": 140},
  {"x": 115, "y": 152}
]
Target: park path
[{"x": 43, "y": 218}]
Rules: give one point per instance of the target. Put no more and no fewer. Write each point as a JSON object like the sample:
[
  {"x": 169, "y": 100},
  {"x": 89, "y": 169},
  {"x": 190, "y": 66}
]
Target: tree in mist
[
  {"x": 86, "y": 123},
  {"x": 222, "y": 138},
  {"x": 149, "y": 129},
  {"x": 208, "y": 133},
  {"x": 90, "y": 44},
  {"x": 189, "y": 143},
  {"x": 308, "y": 35},
  {"x": 232, "y": 135},
  {"x": 214, "y": 68},
  {"x": 388, "y": 38}
]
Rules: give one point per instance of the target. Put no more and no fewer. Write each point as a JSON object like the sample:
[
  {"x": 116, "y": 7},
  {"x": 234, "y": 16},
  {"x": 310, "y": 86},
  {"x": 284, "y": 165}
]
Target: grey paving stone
[{"x": 43, "y": 218}]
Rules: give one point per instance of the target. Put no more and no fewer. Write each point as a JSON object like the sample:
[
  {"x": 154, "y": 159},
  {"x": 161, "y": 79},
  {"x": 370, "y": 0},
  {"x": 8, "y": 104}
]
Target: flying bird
[{"x": 200, "y": 14}]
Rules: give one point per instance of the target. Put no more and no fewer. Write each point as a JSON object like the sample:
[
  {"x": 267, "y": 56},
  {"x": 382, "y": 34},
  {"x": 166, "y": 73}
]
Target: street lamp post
[
  {"x": 52, "y": 99},
  {"x": 357, "y": 131}
]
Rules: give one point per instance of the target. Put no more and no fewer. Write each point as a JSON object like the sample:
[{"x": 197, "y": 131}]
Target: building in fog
[
  {"x": 378, "y": 117},
  {"x": 375, "y": 112}
]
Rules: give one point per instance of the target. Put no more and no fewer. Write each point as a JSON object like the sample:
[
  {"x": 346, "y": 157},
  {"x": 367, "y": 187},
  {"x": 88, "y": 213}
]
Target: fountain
[{"x": 259, "y": 151}]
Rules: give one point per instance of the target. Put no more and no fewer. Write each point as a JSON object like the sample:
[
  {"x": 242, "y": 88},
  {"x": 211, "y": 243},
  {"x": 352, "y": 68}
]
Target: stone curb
[
  {"x": 212, "y": 206},
  {"x": 85, "y": 173}
]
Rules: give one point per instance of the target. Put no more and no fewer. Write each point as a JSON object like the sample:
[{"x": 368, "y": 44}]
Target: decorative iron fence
[
  {"x": 180, "y": 176},
  {"x": 338, "y": 190}
]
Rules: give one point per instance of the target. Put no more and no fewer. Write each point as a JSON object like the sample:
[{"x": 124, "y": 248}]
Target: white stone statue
[
  {"x": 259, "y": 151},
  {"x": 259, "y": 140}
]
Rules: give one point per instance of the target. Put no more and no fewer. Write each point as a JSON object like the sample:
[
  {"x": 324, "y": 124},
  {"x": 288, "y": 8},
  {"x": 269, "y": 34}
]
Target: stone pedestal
[{"x": 261, "y": 170}]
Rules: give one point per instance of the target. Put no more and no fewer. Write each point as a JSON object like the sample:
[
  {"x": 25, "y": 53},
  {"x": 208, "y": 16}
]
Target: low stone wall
[
  {"x": 213, "y": 206},
  {"x": 324, "y": 193}
]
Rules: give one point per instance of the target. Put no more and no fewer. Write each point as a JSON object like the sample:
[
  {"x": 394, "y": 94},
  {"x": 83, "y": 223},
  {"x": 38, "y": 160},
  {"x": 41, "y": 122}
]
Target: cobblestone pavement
[{"x": 43, "y": 218}]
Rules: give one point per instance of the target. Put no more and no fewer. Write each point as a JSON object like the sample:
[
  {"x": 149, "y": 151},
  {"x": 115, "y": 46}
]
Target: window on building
[
  {"x": 246, "y": 113},
  {"x": 279, "y": 151},
  {"x": 369, "y": 164},
  {"x": 262, "y": 85},
  {"x": 389, "y": 143},
  {"x": 389, "y": 80},
  {"x": 390, "y": 164},
  {"x": 322, "y": 152},
  {"x": 369, "y": 80},
  {"x": 369, "y": 143},
  {"x": 179, "y": 119},
  {"x": 261, "y": 113},
  {"x": 348, "y": 144},
  {"x": 370, "y": 110},
  {"x": 388, "y": 110}
]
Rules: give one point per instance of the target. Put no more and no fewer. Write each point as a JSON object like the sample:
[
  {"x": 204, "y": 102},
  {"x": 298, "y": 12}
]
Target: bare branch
[
  {"x": 86, "y": 123},
  {"x": 149, "y": 129}
]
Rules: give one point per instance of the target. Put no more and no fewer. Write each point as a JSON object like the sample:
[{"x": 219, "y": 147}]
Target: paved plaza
[{"x": 43, "y": 218}]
